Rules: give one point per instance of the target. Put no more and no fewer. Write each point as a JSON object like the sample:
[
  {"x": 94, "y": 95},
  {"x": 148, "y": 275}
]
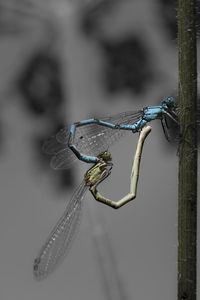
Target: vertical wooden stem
[{"x": 187, "y": 202}]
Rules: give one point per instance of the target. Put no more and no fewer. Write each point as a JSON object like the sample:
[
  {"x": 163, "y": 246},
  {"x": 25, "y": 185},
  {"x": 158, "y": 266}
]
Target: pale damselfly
[
  {"x": 60, "y": 238},
  {"x": 94, "y": 136}
]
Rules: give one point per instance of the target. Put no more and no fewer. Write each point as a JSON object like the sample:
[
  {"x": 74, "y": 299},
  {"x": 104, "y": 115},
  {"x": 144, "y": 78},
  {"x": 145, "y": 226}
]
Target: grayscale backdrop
[{"x": 64, "y": 61}]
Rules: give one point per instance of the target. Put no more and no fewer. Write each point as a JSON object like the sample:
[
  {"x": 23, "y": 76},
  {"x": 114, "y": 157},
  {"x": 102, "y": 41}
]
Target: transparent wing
[
  {"x": 57, "y": 146},
  {"x": 63, "y": 160},
  {"x": 91, "y": 139},
  {"x": 126, "y": 117},
  {"x": 60, "y": 239},
  {"x": 54, "y": 145}
]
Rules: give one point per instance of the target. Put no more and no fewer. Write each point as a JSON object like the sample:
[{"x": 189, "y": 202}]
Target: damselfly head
[
  {"x": 105, "y": 156},
  {"x": 168, "y": 102}
]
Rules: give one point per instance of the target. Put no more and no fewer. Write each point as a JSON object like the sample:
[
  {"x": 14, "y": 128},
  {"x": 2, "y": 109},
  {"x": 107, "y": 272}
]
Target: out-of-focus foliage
[
  {"x": 92, "y": 14},
  {"x": 40, "y": 79},
  {"x": 40, "y": 84},
  {"x": 41, "y": 87},
  {"x": 22, "y": 16},
  {"x": 127, "y": 65}
]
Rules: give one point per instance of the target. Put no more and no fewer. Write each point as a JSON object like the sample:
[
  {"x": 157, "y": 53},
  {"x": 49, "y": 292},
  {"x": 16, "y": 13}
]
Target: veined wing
[
  {"x": 54, "y": 144},
  {"x": 93, "y": 139},
  {"x": 57, "y": 146},
  {"x": 90, "y": 139},
  {"x": 60, "y": 239}
]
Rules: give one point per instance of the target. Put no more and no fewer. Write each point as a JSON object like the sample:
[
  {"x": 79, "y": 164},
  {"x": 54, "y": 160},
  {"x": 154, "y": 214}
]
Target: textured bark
[{"x": 187, "y": 203}]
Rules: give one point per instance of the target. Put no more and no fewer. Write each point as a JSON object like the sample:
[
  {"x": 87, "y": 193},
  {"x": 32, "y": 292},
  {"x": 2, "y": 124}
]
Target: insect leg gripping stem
[{"x": 134, "y": 176}]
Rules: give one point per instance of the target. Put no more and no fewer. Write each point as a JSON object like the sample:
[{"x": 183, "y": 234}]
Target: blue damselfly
[{"x": 94, "y": 136}]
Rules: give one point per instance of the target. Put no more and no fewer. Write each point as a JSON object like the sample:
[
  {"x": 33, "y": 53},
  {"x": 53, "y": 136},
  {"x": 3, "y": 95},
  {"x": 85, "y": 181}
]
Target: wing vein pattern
[{"x": 60, "y": 239}]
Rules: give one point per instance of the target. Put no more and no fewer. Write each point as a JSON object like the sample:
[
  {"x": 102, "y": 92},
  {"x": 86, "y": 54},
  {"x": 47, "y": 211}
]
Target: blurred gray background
[{"x": 64, "y": 61}]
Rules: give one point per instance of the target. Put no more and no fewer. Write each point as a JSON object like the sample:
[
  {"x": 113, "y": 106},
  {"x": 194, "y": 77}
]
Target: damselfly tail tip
[{"x": 37, "y": 272}]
